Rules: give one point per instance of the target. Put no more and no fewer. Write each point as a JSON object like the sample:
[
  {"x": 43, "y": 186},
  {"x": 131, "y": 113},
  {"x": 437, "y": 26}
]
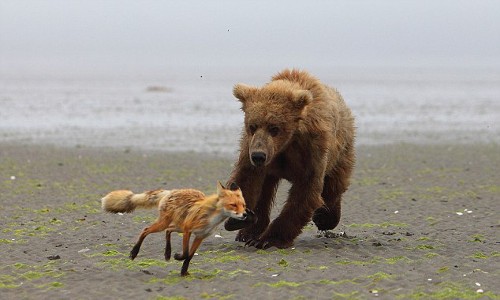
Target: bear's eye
[
  {"x": 273, "y": 130},
  {"x": 252, "y": 128}
]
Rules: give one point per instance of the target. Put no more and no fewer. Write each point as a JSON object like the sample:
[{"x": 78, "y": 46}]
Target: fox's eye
[
  {"x": 252, "y": 128},
  {"x": 273, "y": 130}
]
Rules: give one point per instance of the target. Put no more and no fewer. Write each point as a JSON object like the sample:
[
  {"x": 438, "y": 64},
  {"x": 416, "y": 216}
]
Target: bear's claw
[
  {"x": 264, "y": 243},
  {"x": 251, "y": 243},
  {"x": 246, "y": 237},
  {"x": 268, "y": 243}
]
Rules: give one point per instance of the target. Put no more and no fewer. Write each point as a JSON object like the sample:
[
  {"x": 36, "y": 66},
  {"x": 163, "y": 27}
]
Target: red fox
[{"x": 184, "y": 210}]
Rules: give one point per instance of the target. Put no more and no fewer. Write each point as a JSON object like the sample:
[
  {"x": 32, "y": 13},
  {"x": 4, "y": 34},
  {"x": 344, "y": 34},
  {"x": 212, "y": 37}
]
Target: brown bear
[{"x": 298, "y": 129}]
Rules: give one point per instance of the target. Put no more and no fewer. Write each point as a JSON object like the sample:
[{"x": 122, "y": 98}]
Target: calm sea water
[{"x": 197, "y": 112}]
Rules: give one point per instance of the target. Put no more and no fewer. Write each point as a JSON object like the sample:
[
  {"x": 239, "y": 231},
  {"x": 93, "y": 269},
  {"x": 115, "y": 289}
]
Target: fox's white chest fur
[{"x": 214, "y": 221}]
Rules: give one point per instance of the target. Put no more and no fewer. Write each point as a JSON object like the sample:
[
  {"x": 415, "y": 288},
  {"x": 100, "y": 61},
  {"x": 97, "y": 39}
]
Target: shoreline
[
  {"x": 185, "y": 111},
  {"x": 377, "y": 140}
]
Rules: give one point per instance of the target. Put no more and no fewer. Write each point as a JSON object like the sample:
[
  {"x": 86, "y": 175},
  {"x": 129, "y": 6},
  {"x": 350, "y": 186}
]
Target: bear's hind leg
[{"x": 328, "y": 216}]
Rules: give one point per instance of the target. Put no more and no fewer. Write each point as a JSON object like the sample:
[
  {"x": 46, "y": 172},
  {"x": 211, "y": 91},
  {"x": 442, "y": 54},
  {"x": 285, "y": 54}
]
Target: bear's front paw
[
  {"x": 245, "y": 236},
  {"x": 265, "y": 243}
]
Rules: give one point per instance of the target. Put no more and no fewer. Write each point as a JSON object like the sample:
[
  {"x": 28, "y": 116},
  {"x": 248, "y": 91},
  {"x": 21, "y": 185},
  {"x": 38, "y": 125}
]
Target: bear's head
[{"x": 272, "y": 117}]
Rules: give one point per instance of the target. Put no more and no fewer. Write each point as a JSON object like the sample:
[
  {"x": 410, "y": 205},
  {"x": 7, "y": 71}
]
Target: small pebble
[
  {"x": 460, "y": 213},
  {"x": 478, "y": 284},
  {"x": 480, "y": 291},
  {"x": 12, "y": 177}
]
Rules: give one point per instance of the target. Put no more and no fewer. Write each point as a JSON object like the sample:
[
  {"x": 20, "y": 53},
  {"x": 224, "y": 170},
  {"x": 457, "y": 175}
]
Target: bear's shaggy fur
[{"x": 298, "y": 129}]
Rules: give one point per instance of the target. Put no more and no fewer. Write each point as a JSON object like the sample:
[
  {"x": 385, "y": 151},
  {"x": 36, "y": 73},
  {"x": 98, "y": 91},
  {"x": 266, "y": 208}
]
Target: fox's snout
[
  {"x": 238, "y": 215},
  {"x": 241, "y": 216}
]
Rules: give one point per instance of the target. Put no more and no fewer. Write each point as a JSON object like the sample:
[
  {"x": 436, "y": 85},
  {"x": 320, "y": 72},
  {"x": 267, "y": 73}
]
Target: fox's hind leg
[
  {"x": 168, "y": 247},
  {"x": 185, "y": 265},
  {"x": 159, "y": 225}
]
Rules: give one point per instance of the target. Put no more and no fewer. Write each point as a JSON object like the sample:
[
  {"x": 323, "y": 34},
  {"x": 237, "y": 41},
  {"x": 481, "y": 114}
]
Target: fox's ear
[
  {"x": 234, "y": 186},
  {"x": 220, "y": 187},
  {"x": 301, "y": 98},
  {"x": 243, "y": 92}
]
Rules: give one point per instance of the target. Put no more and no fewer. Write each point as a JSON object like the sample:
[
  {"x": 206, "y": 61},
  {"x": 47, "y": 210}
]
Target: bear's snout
[{"x": 258, "y": 158}]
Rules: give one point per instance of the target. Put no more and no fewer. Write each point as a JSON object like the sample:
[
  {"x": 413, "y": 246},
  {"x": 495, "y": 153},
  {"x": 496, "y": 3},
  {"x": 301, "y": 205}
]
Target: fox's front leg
[
  {"x": 196, "y": 243},
  {"x": 185, "y": 247}
]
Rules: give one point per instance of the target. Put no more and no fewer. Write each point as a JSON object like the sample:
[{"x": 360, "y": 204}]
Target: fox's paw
[
  {"x": 179, "y": 256},
  {"x": 134, "y": 252}
]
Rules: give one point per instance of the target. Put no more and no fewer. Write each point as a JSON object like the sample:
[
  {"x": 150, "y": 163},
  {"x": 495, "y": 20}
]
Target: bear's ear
[
  {"x": 301, "y": 98},
  {"x": 234, "y": 186},
  {"x": 243, "y": 91}
]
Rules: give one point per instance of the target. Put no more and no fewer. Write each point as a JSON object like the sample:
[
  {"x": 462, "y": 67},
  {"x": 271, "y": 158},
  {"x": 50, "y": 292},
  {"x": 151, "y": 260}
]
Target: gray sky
[{"x": 68, "y": 35}]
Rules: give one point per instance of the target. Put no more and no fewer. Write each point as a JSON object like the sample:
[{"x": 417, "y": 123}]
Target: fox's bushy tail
[{"x": 124, "y": 201}]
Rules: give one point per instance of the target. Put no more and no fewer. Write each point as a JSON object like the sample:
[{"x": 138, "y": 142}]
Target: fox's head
[{"x": 231, "y": 201}]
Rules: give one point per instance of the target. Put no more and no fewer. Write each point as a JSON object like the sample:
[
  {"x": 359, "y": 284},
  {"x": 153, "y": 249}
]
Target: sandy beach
[{"x": 419, "y": 221}]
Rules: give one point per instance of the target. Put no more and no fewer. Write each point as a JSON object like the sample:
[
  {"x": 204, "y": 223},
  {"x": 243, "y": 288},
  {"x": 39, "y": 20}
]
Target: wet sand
[{"x": 419, "y": 221}]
